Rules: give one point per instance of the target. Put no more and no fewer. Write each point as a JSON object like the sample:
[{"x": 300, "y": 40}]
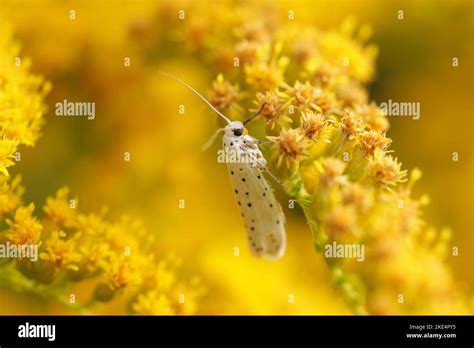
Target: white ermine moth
[{"x": 263, "y": 216}]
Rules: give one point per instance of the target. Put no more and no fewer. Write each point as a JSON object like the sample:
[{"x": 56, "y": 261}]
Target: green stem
[
  {"x": 345, "y": 282},
  {"x": 12, "y": 279}
]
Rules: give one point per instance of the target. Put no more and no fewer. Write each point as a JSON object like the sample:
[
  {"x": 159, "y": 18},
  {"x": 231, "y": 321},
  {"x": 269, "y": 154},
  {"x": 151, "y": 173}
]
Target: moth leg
[
  {"x": 282, "y": 184},
  {"x": 208, "y": 143},
  {"x": 255, "y": 115}
]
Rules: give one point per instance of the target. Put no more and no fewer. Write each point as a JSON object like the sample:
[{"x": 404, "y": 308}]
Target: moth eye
[{"x": 238, "y": 132}]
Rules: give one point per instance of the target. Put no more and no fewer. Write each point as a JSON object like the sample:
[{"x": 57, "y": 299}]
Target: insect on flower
[{"x": 263, "y": 216}]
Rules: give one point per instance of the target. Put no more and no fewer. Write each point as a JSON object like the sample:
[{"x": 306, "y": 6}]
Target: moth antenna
[
  {"x": 208, "y": 143},
  {"x": 255, "y": 115},
  {"x": 197, "y": 93}
]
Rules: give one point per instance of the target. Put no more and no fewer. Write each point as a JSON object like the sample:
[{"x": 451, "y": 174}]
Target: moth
[{"x": 263, "y": 216}]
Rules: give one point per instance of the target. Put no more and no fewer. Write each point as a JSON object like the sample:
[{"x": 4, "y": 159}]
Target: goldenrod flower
[
  {"x": 247, "y": 51},
  {"x": 352, "y": 94},
  {"x": 10, "y": 194},
  {"x": 91, "y": 224},
  {"x": 166, "y": 294},
  {"x": 274, "y": 108},
  {"x": 7, "y": 152},
  {"x": 152, "y": 303},
  {"x": 121, "y": 272},
  {"x": 290, "y": 147},
  {"x": 116, "y": 254},
  {"x": 335, "y": 46},
  {"x": 303, "y": 50},
  {"x": 61, "y": 211},
  {"x": 61, "y": 252},
  {"x": 112, "y": 255},
  {"x": 323, "y": 73},
  {"x": 351, "y": 124},
  {"x": 25, "y": 228},
  {"x": 252, "y": 31},
  {"x": 93, "y": 255},
  {"x": 370, "y": 141},
  {"x": 21, "y": 100},
  {"x": 195, "y": 34},
  {"x": 341, "y": 224},
  {"x": 373, "y": 116},
  {"x": 357, "y": 195},
  {"x": 312, "y": 124},
  {"x": 335, "y": 160},
  {"x": 262, "y": 76},
  {"x": 266, "y": 73},
  {"x": 332, "y": 171},
  {"x": 304, "y": 96}
]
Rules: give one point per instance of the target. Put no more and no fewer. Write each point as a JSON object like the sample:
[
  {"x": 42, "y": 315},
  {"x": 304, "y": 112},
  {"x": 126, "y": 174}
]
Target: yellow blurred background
[{"x": 137, "y": 112}]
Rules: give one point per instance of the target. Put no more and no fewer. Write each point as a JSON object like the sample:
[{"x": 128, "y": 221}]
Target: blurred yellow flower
[
  {"x": 7, "y": 152},
  {"x": 152, "y": 302},
  {"x": 61, "y": 251},
  {"x": 223, "y": 95},
  {"x": 21, "y": 100},
  {"x": 266, "y": 73},
  {"x": 88, "y": 245},
  {"x": 61, "y": 211},
  {"x": 121, "y": 272},
  {"x": 24, "y": 228},
  {"x": 10, "y": 194},
  {"x": 273, "y": 108}
]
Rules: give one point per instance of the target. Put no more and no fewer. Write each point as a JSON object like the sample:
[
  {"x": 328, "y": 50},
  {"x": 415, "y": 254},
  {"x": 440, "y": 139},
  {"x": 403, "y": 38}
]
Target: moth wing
[{"x": 263, "y": 216}]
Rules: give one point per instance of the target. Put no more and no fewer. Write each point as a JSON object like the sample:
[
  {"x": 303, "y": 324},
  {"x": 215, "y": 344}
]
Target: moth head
[{"x": 235, "y": 128}]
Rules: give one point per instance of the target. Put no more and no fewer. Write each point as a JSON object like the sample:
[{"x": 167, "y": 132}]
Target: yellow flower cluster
[
  {"x": 330, "y": 147},
  {"x": 21, "y": 101},
  {"x": 117, "y": 257},
  {"x": 113, "y": 258}
]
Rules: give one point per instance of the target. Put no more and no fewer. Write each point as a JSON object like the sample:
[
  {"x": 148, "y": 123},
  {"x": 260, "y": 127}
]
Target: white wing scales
[{"x": 263, "y": 216}]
